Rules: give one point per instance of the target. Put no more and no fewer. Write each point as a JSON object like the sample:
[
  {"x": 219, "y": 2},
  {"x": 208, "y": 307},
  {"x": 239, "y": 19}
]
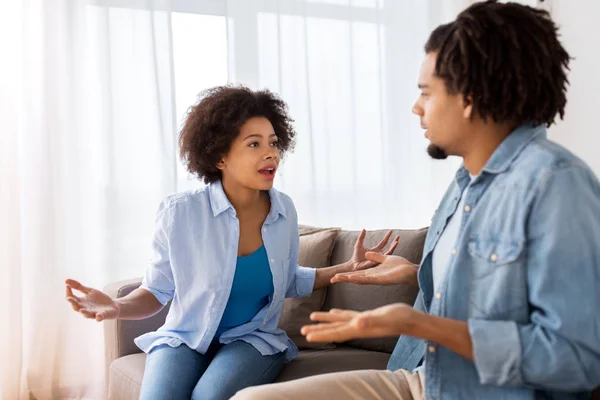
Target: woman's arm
[
  {"x": 324, "y": 275},
  {"x": 95, "y": 304},
  {"x": 357, "y": 262},
  {"x": 139, "y": 304}
]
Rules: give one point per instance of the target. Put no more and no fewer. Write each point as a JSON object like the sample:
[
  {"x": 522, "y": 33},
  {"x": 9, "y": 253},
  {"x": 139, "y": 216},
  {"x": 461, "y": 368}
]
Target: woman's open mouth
[{"x": 268, "y": 172}]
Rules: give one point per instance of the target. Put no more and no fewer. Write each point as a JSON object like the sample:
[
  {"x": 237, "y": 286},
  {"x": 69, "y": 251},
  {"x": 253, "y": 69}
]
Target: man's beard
[{"x": 436, "y": 152}]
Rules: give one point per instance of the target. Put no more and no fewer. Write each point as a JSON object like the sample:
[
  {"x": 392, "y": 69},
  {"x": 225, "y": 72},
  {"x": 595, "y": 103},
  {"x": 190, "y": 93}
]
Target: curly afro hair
[
  {"x": 213, "y": 123},
  {"x": 505, "y": 57}
]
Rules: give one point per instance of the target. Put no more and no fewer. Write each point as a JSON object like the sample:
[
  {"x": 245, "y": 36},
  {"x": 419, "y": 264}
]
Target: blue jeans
[{"x": 182, "y": 373}]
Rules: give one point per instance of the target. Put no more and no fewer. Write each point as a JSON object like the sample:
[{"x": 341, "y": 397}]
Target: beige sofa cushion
[
  {"x": 316, "y": 245},
  {"x": 126, "y": 372},
  {"x": 360, "y": 298},
  {"x": 342, "y": 358}
]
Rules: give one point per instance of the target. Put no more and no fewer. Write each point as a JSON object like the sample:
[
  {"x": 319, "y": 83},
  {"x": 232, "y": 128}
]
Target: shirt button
[
  {"x": 494, "y": 257},
  {"x": 272, "y": 260},
  {"x": 453, "y": 251},
  {"x": 467, "y": 208},
  {"x": 438, "y": 296},
  {"x": 264, "y": 230},
  {"x": 431, "y": 349}
]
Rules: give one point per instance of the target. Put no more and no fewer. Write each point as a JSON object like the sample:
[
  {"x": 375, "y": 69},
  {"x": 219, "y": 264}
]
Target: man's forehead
[
  {"x": 428, "y": 65},
  {"x": 427, "y": 72}
]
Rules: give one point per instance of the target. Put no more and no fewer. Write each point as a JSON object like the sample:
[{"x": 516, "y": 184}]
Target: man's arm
[
  {"x": 392, "y": 270},
  {"x": 560, "y": 347},
  {"x": 359, "y": 262},
  {"x": 390, "y": 320}
]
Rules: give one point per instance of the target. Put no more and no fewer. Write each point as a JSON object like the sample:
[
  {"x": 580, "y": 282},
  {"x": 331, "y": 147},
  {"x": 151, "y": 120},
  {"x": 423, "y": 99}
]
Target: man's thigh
[{"x": 363, "y": 385}]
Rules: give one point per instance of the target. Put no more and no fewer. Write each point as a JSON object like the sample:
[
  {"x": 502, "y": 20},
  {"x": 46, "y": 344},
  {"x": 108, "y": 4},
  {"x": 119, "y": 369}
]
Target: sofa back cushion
[{"x": 367, "y": 297}]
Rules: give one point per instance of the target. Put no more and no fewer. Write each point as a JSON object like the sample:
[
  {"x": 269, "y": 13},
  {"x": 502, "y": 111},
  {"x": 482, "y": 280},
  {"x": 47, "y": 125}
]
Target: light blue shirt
[
  {"x": 525, "y": 276},
  {"x": 194, "y": 259}
]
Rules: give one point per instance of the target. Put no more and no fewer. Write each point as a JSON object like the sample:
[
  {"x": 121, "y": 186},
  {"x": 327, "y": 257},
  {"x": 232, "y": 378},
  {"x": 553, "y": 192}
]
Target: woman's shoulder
[
  {"x": 284, "y": 200},
  {"x": 183, "y": 200}
]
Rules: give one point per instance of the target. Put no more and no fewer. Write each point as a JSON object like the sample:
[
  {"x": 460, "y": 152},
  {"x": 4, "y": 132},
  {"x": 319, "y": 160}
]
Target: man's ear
[{"x": 467, "y": 103}]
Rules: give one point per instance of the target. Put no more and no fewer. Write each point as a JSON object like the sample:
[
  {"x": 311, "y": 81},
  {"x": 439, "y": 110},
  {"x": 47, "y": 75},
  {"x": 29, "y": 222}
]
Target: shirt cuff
[
  {"x": 163, "y": 298},
  {"x": 497, "y": 351},
  {"x": 305, "y": 280}
]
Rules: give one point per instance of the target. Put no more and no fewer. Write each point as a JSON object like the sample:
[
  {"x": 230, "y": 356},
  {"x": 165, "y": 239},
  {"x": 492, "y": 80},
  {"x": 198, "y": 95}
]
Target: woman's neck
[{"x": 240, "y": 197}]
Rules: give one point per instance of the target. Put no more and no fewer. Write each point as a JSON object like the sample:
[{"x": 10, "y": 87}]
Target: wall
[{"x": 579, "y": 23}]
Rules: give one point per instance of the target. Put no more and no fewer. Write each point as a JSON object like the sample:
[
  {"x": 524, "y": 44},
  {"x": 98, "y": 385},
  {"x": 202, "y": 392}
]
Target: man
[{"x": 510, "y": 276}]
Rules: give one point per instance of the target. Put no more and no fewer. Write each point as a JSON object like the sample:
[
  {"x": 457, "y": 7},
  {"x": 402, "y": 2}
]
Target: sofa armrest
[{"x": 119, "y": 334}]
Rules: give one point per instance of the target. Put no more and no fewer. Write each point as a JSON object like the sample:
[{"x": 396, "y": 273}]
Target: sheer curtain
[
  {"x": 348, "y": 70},
  {"x": 88, "y": 122},
  {"x": 87, "y": 153}
]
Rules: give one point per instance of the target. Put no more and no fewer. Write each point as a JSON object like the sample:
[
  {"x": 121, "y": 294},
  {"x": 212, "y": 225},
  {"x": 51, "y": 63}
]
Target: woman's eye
[
  {"x": 253, "y": 144},
  {"x": 274, "y": 144}
]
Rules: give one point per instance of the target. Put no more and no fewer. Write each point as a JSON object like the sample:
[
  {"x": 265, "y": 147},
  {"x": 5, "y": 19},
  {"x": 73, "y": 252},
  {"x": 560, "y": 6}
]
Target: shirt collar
[
  {"x": 220, "y": 203},
  {"x": 509, "y": 149}
]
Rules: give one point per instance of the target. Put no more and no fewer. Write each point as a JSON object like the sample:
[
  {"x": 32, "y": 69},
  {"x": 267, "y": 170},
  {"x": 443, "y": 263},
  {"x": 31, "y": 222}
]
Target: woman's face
[{"x": 254, "y": 156}]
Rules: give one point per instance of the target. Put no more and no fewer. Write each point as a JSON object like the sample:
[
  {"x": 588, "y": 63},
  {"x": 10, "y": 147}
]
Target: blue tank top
[{"x": 250, "y": 292}]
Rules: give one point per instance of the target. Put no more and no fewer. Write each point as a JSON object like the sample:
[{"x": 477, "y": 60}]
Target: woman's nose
[{"x": 271, "y": 155}]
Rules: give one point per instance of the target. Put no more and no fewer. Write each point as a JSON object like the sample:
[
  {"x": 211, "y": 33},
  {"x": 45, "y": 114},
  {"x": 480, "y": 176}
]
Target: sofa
[{"x": 318, "y": 248}]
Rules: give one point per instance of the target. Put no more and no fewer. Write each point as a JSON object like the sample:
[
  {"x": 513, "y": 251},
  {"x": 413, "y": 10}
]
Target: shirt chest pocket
[{"x": 498, "y": 285}]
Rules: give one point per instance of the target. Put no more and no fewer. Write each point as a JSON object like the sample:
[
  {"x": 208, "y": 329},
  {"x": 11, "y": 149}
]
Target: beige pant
[{"x": 353, "y": 385}]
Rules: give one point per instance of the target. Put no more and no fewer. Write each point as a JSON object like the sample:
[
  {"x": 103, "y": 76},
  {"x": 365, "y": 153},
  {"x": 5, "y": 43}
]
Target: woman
[{"x": 225, "y": 255}]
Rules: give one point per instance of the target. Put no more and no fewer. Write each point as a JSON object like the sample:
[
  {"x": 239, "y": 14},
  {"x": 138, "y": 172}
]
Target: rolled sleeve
[
  {"x": 158, "y": 279},
  {"x": 161, "y": 296},
  {"x": 497, "y": 351},
  {"x": 305, "y": 281}
]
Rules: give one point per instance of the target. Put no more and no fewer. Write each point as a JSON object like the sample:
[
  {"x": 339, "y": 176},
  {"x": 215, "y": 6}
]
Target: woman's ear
[{"x": 221, "y": 165}]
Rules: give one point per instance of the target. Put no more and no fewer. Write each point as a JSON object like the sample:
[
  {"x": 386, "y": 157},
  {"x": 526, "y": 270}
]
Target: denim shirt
[
  {"x": 194, "y": 258},
  {"x": 525, "y": 276}
]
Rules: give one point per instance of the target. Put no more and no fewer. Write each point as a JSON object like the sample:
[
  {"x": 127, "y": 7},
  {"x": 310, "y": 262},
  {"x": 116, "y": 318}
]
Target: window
[{"x": 199, "y": 63}]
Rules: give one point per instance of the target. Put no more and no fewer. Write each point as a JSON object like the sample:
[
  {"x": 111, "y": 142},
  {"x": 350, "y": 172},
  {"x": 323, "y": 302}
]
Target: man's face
[{"x": 444, "y": 116}]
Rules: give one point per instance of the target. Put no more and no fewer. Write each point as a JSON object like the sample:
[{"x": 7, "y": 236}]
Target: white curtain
[
  {"x": 88, "y": 123},
  {"x": 348, "y": 70},
  {"x": 87, "y": 153}
]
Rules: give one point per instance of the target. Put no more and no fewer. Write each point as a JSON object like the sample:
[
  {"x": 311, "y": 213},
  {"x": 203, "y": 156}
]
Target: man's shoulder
[{"x": 541, "y": 159}]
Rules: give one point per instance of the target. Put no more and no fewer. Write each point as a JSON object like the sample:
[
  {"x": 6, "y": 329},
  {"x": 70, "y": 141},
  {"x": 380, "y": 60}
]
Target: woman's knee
[{"x": 171, "y": 372}]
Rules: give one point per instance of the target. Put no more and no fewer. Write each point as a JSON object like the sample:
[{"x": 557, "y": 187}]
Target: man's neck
[{"x": 484, "y": 142}]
